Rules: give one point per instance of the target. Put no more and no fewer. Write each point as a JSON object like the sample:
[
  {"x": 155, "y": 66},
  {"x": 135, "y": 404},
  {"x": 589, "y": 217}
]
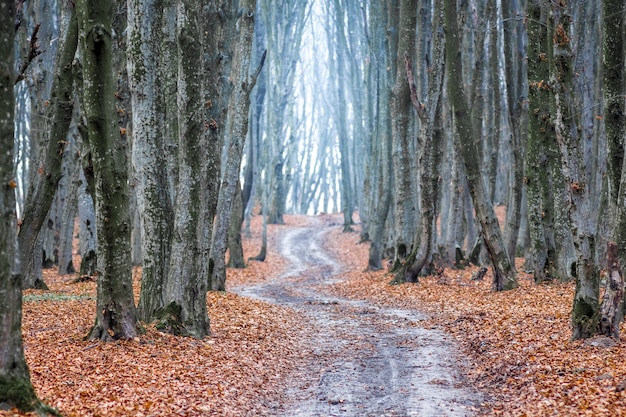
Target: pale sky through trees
[{"x": 313, "y": 104}]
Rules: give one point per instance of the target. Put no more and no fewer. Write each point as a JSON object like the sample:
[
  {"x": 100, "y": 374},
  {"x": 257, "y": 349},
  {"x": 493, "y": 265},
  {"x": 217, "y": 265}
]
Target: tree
[
  {"x": 585, "y": 311},
  {"x": 468, "y": 130},
  {"x": 184, "y": 292},
  {"x": 402, "y": 133},
  {"x": 16, "y": 389},
  {"x": 380, "y": 176},
  {"x": 44, "y": 182},
  {"x": 149, "y": 49},
  {"x": 612, "y": 309},
  {"x": 238, "y": 113},
  {"x": 430, "y": 141},
  {"x": 115, "y": 307}
]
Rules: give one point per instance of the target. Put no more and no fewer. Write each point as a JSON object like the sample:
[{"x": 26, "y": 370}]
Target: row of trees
[
  {"x": 475, "y": 104},
  {"x": 183, "y": 68}
]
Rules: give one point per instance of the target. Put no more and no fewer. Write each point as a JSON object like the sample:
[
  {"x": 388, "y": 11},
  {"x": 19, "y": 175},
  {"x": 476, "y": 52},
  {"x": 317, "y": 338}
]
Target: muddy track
[{"x": 368, "y": 361}]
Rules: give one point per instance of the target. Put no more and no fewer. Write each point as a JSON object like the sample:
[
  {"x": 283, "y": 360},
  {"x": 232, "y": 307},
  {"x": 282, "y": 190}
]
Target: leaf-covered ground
[{"x": 516, "y": 343}]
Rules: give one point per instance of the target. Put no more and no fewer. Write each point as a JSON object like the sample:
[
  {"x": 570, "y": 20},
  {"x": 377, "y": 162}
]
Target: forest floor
[{"x": 446, "y": 346}]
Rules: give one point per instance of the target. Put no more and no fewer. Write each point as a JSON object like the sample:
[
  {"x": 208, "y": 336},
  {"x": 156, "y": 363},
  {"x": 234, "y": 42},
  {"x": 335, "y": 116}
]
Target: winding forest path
[{"x": 367, "y": 360}]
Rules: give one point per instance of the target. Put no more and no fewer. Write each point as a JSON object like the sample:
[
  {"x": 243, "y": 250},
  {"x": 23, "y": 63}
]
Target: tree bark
[
  {"x": 44, "y": 185},
  {"x": 402, "y": 134},
  {"x": 16, "y": 389},
  {"x": 235, "y": 247},
  {"x": 585, "y": 312},
  {"x": 430, "y": 141},
  {"x": 612, "y": 308},
  {"x": 468, "y": 129},
  {"x": 146, "y": 30},
  {"x": 200, "y": 123},
  {"x": 115, "y": 307},
  {"x": 239, "y": 107}
]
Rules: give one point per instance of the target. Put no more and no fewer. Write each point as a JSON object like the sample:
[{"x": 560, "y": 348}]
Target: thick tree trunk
[
  {"x": 585, "y": 312},
  {"x": 468, "y": 129},
  {"x": 200, "y": 123},
  {"x": 149, "y": 149},
  {"x": 16, "y": 389},
  {"x": 115, "y": 307}
]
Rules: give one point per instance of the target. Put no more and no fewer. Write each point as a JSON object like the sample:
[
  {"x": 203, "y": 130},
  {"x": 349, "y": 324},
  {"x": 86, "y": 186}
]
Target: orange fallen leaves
[{"x": 516, "y": 343}]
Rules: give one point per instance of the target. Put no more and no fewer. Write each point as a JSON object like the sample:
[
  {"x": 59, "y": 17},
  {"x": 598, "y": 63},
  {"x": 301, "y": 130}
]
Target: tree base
[{"x": 19, "y": 393}]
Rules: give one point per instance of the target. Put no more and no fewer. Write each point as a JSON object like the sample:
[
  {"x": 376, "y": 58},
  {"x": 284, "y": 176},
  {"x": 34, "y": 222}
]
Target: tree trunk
[
  {"x": 612, "y": 308},
  {"x": 239, "y": 107},
  {"x": 115, "y": 307},
  {"x": 516, "y": 92},
  {"x": 199, "y": 133},
  {"x": 430, "y": 141},
  {"x": 42, "y": 190},
  {"x": 401, "y": 113},
  {"x": 585, "y": 312},
  {"x": 468, "y": 129},
  {"x": 146, "y": 28},
  {"x": 16, "y": 389},
  {"x": 235, "y": 248}
]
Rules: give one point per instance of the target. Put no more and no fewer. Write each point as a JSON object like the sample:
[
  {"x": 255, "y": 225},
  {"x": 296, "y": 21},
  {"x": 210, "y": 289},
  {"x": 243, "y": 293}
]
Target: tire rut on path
[{"x": 368, "y": 361}]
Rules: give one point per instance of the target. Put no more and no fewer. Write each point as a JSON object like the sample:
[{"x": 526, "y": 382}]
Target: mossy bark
[
  {"x": 148, "y": 81},
  {"x": 16, "y": 389},
  {"x": 115, "y": 307}
]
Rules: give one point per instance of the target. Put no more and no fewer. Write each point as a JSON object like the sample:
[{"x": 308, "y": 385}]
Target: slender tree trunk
[
  {"x": 401, "y": 113},
  {"x": 516, "y": 93},
  {"x": 421, "y": 256},
  {"x": 238, "y": 116},
  {"x": 235, "y": 248},
  {"x": 612, "y": 309},
  {"x": 41, "y": 191},
  {"x": 115, "y": 306},
  {"x": 468, "y": 129}
]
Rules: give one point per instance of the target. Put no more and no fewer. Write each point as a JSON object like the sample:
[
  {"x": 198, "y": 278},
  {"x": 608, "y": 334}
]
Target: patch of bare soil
[{"x": 364, "y": 359}]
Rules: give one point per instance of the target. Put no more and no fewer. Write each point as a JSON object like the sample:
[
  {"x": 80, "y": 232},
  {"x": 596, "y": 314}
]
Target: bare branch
[
  {"x": 33, "y": 53},
  {"x": 19, "y": 14},
  {"x": 252, "y": 82}
]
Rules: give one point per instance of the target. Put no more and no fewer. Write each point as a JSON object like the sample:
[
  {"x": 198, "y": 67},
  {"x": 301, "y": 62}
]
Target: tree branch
[
  {"x": 19, "y": 14},
  {"x": 252, "y": 82},
  {"x": 419, "y": 106},
  {"x": 33, "y": 53}
]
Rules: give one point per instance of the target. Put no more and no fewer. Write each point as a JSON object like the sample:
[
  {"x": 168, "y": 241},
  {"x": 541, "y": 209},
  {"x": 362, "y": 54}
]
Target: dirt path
[{"x": 367, "y": 361}]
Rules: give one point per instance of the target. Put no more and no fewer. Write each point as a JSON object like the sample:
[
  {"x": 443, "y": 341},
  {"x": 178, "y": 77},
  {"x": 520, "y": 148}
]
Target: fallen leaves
[
  {"x": 517, "y": 342},
  {"x": 517, "y": 345}
]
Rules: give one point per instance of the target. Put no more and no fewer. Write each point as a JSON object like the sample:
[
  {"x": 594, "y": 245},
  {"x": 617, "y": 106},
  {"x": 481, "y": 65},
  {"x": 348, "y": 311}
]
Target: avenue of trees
[{"x": 156, "y": 129}]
